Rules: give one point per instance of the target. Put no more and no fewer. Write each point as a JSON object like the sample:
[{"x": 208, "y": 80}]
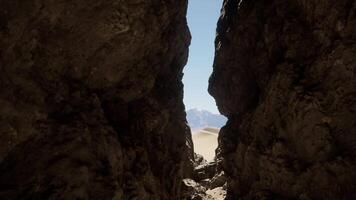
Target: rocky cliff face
[
  {"x": 91, "y": 99},
  {"x": 284, "y": 74}
]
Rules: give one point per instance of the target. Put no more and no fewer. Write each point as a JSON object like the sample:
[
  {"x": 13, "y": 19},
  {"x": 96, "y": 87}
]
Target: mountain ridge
[{"x": 202, "y": 118}]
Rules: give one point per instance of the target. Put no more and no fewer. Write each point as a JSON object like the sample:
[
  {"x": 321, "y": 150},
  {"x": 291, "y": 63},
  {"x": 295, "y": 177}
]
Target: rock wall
[
  {"x": 284, "y": 74},
  {"x": 91, "y": 99}
]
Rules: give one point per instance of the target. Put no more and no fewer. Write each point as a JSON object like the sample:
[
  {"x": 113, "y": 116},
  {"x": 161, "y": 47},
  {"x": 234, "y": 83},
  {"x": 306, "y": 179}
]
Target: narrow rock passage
[{"x": 91, "y": 101}]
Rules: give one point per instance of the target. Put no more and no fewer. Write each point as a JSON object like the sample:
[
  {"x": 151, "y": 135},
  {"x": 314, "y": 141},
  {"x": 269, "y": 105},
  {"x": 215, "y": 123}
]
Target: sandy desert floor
[{"x": 205, "y": 142}]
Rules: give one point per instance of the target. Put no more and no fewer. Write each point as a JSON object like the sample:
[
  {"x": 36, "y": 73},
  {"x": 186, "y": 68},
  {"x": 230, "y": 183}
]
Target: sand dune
[{"x": 205, "y": 142}]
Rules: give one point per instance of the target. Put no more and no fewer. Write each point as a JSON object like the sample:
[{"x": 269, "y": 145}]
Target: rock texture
[
  {"x": 91, "y": 99},
  {"x": 208, "y": 182},
  {"x": 195, "y": 191},
  {"x": 284, "y": 75}
]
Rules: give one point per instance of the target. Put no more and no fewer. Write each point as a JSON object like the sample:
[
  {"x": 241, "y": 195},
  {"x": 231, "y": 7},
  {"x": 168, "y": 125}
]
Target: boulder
[{"x": 219, "y": 180}]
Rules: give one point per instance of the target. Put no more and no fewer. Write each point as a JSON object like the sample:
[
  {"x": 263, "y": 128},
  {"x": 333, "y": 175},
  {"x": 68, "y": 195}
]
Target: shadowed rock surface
[
  {"x": 284, "y": 75},
  {"x": 91, "y": 99}
]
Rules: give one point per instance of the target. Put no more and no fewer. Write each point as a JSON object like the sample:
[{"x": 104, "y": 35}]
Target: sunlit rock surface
[
  {"x": 284, "y": 75},
  {"x": 207, "y": 183}
]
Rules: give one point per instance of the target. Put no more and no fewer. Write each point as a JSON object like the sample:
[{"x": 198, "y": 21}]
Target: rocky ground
[{"x": 207, "y": 182}]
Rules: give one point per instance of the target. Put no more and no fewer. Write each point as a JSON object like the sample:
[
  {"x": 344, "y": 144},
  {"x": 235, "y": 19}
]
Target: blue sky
[{"x": 202, "y": 18}]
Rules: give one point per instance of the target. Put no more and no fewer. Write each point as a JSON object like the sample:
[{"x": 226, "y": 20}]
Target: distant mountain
[{"x": 203, "y": 118}]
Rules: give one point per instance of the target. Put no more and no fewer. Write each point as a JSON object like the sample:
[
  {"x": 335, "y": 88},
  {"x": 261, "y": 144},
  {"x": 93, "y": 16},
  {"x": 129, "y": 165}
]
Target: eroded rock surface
[
  {"x": 195, "y": 191},
  {"x": 284, "y": 75},
  {"x": 208, "y": 182},
  {"x": 91, "y": 99}
]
